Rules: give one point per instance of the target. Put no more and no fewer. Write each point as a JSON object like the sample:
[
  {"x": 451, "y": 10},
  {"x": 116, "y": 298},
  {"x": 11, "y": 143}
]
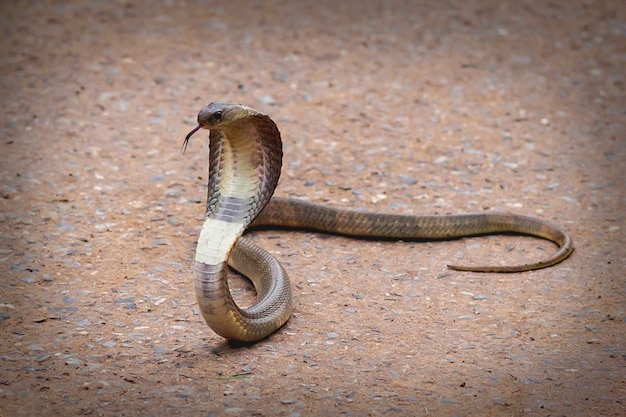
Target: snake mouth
[{"x": 186, "y": 142}]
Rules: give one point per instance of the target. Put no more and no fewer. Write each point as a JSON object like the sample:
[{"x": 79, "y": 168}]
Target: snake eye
[{"x": 217, "y": 115}]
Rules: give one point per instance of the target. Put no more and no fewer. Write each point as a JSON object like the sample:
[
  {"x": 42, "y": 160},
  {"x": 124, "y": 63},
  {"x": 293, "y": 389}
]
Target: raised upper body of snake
[{"x": 245, "y": 158}]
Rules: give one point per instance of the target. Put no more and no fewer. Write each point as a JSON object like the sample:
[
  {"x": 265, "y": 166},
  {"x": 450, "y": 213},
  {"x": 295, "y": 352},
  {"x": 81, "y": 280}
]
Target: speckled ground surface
[{"x": 402, "y": 107}]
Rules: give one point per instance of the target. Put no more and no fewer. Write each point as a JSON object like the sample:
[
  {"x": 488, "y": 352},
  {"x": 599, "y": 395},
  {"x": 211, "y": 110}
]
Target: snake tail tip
[
  {"x": 465, "y": 268},
  {"x": 454, "y": 267}
]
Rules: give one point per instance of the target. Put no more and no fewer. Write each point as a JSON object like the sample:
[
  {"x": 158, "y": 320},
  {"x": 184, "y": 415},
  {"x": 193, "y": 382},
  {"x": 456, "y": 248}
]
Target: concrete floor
[{"x": 420, "y": 107}]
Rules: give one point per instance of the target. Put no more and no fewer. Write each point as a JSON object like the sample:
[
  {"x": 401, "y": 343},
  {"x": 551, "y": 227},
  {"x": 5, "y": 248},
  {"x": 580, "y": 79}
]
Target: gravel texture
[{"x": 396, "y": 106}]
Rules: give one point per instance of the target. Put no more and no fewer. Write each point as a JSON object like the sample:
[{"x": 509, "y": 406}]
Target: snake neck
[{"x": 244, "y": 167}]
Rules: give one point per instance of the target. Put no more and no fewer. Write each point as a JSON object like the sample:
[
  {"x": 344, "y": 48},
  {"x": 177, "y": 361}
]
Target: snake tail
[{"x": 302, "y": 214}]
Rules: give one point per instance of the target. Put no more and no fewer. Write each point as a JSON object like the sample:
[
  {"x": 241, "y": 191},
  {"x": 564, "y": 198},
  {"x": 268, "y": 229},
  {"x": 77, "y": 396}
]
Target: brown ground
[{"x": 401, "y": 107}]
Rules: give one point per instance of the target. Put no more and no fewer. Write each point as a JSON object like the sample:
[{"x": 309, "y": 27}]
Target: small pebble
[
  {"x": 174, "y": 221},
  {"x": 267, "y": 99},
  {"x": 65, "y": 226},
  {"x": 18, "y": 267},
  {"x": 528, "y": 381},
  {"x": 172, "y": 193},
  {"x": 72, "y": 361},
  {"x": 449, "y": 400},
  {"x": 42, "y": 358},
  {"x": 407, "y": 179}
]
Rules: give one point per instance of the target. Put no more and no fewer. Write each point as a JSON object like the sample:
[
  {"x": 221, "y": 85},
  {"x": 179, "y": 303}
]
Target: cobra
[{"x": 245, "y": 159}]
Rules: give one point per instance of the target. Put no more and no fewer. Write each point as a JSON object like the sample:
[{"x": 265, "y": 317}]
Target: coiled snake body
[{"x": 245, "y": 158}]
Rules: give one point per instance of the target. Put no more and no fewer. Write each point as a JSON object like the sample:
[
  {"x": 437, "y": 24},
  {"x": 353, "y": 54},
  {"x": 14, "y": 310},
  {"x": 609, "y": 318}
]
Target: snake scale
[{"x": 245, "y": 159}]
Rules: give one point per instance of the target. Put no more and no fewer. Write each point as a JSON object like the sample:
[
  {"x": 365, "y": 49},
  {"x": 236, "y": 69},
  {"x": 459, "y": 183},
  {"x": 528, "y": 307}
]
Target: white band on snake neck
[{"x": 214, "y": 233}]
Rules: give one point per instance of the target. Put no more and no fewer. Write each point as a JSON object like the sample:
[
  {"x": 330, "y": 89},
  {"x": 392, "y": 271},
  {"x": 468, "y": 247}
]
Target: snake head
[
  {"x": 218, "y": 116},
  {"x": 214, "y": 115}
]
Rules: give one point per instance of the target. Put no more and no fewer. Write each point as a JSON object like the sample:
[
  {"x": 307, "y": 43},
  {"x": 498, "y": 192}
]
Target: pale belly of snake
[{"x": 245, "y": 154}]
